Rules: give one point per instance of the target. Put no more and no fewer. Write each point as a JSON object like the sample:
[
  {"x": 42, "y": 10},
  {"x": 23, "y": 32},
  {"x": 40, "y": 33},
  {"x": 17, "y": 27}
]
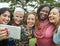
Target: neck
[
  {"x": 43, "y": 20},
  {"x": 15, "y": 24},
  {"x": 29, "y": 28}
]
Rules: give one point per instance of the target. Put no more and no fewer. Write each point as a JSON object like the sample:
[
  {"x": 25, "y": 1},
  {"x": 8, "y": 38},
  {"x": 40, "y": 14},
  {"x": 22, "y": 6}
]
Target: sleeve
[{"x": 56, "y": 37}]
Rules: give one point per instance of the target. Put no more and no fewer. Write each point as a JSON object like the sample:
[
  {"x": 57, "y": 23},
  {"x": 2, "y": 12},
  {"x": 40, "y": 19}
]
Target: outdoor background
[{"x": 27, "y": 5}]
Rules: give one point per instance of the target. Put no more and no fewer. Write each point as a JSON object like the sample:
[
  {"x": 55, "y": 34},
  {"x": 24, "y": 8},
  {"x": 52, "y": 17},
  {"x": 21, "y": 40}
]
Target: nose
[{"x": 30, "y": 20}]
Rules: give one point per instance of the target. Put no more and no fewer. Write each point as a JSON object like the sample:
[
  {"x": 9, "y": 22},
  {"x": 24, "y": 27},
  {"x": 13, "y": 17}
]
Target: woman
[
  {"x": 5, "y": 17},
  {"x": 54, "y": 17},
  {"x": 18, "y": 17},
  {"x": 17, "y": 21},
  {"x": 30, "y": 21},
  {"x": 44, "y": 30}
]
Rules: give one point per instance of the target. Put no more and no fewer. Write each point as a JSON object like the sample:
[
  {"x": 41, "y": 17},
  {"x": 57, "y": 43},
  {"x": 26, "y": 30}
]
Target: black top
[{"x": 4, "y": 42}]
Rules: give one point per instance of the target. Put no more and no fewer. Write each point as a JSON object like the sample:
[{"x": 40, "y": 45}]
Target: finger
[
  {"x": 4, "y": 37},
  {"x": 2, "y": 32},
  {"x": 2, "y": 29}
]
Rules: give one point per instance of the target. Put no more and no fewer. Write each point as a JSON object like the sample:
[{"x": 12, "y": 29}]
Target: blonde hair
[
  {"x": 19, "y": 9},
  {"x": 56, "y": 29}
]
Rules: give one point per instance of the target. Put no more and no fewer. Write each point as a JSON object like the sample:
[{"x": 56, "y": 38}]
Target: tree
[{"x": 31, "y": 4}]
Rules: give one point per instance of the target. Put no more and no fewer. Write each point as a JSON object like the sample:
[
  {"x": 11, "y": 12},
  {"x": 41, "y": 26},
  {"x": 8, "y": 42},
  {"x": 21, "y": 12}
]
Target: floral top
[{"x": 26, "y": 35}]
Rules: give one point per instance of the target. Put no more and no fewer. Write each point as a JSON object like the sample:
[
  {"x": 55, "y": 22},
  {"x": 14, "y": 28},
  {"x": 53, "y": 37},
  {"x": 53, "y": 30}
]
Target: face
[
  {"x": 54, "y": 16},
  {"x": 18, "y": 17},
  {"x": 30, "y": 20},
  {"x": 44, "y": 13},
  {"x": 5, "y": 17}
]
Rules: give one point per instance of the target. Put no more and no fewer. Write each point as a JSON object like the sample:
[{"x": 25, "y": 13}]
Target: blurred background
[{"x": 27, "y": 5}]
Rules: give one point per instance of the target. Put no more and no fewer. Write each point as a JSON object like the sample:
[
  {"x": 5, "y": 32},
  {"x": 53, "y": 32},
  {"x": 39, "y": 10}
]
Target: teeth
[{"x": 51, "y": 18}]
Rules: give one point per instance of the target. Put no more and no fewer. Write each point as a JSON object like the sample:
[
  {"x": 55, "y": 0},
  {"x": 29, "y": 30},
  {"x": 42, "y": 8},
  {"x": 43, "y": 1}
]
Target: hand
[{"x": 3, "y": 34}]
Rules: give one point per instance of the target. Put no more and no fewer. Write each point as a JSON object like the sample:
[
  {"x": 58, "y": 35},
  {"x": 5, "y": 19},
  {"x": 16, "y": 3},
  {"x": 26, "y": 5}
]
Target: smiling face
[
  {"x": 44, "y": 13},
  {"x": 54, "y": 16},
  {"x": 18, "y": 17},
  {"x": 5, "y": 17},
  {"x": 30, "y": 20}
]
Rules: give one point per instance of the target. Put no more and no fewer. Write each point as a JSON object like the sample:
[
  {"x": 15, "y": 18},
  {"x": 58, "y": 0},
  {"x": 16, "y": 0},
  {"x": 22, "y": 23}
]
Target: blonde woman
[{"x": 54, "y": 17}]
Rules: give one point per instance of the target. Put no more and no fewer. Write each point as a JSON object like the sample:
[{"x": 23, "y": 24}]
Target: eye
[
  {"x": 54, "y": 13},
  {"x": 9, "y": 16},
  {"x": 28, "y": 18},
  {"x": 4, "y": 15},
  {"x": 21, "y": 17},
  {"x": 32, "y": 18},
  {"x": 17, "y": 16}
]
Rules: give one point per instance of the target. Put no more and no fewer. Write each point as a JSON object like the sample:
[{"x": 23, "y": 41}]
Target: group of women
[{"x": 28, "y": 24}]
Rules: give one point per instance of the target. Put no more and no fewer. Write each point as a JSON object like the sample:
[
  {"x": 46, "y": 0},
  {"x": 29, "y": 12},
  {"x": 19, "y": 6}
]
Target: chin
[
  {"x": 52, "y": 21},
  {"x": 30, "y": 26},
  {"x": 17, "y": 23}
]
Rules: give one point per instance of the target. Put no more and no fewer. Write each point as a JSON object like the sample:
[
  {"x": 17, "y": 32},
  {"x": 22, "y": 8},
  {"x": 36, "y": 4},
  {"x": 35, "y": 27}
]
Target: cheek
[
  {"x": 57, "y": 19},
  {"x": 2, "y": 18},
  {"x": 9, "y": 19},
  {"x": 15, "y": 19},
  {"x": 21, "y": 18},
  {"x": 34, "y": 21}
]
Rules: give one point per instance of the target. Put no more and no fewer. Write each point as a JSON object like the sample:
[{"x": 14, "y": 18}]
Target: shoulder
[
  {"x": 23, "y": 26},
  {"x": 59, "y": 28},
  {"x": 51, "y": 26}
]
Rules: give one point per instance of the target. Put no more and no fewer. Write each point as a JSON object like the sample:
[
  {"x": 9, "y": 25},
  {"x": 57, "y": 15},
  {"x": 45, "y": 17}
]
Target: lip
[
  {"x": 6, "y": 22},
  {"x": 51, "y": 18},
  {"x": 42, "y": 16},
  {"x": 17, "y": 21},
  {"x": 30, "y": 23}
]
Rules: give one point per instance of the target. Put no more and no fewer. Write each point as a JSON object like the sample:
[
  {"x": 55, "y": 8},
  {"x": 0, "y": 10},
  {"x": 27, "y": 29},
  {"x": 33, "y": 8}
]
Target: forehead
[
  {"x": 18, "y": 13},
  {"x": 7, "y": 13},
  {"x": 45, "y": 8},
  {"x": 31, "y": 16},
  {"x": 55, "y": 10}
]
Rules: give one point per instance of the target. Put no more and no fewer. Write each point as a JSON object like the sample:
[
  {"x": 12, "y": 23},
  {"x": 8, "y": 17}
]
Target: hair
[
  {"x": 19, "y": 9},
  {"x": 3, "y": 10},
  {"x": 58, "y": 9},
  {"x": 26, "y": 16},
  {"x": 56, "y": 29},
  {"x": 41, "y": 7}
]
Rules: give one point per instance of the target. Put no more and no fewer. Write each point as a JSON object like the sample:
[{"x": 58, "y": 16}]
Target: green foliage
[{"x": 23, "y": 3}]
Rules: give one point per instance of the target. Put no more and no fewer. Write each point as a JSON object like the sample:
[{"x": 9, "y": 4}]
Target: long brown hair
[{"x": 26, "y": 16}]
